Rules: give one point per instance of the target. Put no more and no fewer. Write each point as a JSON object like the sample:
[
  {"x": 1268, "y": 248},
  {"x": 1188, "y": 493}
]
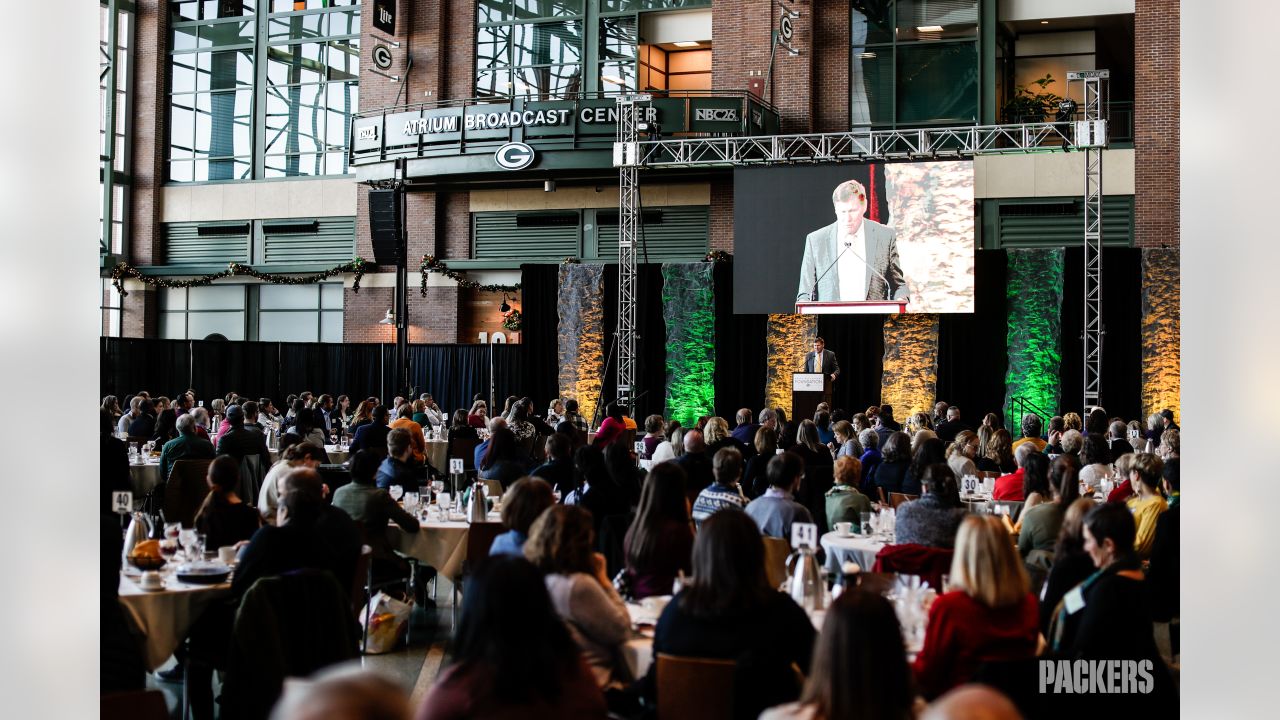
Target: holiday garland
[
  {"x": 124, "y": 269},
  {"x": 431, "y": 265}
]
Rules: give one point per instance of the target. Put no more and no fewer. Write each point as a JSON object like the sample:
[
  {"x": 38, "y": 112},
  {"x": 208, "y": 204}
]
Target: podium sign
[
  {"x": 807, "y": 390},
  {"x": 806, "y": 382}
]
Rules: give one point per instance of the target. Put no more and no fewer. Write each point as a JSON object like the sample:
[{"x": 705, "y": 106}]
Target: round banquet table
[
  {"x": 162, "y": 617},
  {"x": 441, "y": 544},
  {"x": 438, "y": 455},
  {"x": 144, "y": 476},
  {"x": 861, "y": 549}
]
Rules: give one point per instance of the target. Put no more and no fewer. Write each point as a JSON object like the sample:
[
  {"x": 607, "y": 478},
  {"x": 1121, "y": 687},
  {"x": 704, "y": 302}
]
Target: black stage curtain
[
  {"x": 740, "y": 351},
  {"x": 1120, "y": 390},
  {"x": 972, "y": 347},
  {"x": 539, "y": 356},
  {"x": 453, "y": 373},
  {"x": 161, "y": 367},
  {"x": 651, "y": 343},
  {"x": 858, "y": 342}
]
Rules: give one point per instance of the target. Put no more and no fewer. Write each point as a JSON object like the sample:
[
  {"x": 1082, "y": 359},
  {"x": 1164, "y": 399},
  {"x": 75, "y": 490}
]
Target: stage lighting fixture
[
  {"x": 504, "y": 307},
  {"x": 1066, "y": 110},
  {"x": 388, "y": 319}
]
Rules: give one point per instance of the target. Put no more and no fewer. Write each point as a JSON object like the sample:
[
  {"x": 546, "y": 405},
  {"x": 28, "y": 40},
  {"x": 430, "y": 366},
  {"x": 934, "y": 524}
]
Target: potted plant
[{"x": 1031, "y": 103}]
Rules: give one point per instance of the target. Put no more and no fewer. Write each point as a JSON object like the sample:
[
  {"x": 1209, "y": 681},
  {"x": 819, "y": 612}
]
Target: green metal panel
[
  {"x": 529, "y": 236},
  {"x": 1055, "y": 222},
  {"x": 220, "y": 243},
  {"x": 327, "y": 240},
  {"x": 668, "y": 234}
]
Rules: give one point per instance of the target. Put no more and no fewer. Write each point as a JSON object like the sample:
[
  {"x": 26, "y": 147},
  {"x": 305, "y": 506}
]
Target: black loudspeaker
[{"x": 384, "y": 226}]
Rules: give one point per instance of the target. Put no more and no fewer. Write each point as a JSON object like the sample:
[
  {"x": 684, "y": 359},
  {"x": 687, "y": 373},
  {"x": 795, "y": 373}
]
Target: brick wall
[
  {"x": 831, "y": 65},
  {"x": 150, "y": 128},
  {"x": 721, "y": 214},
  {"x": 742, "y": 31},
  {"x": 1156, "y": 80}
]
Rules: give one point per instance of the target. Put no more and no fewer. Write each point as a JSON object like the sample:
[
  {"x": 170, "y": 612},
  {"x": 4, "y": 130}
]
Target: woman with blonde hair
[
  {"x": 1147, "y": 502},
  {"x": 1072, "y": 421},
  {"x": 960, "y": 454},
  {"x": 990, "y": 615},
  {"x": 715, "y": 430}
]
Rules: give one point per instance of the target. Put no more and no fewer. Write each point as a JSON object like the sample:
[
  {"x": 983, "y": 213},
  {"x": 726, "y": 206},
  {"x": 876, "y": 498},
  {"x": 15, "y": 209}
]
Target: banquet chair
[
  {"x": 883, "y": 500},
  {"x": 251, "y": 475},
  {"x": 817, "y": 481},
  {"x": 694, "y": 688},
  {"x": 776, "y": 551},
  {"x": 480, "y": 537},
  {"x": 1015, "y": 508},
  {"x": 930, "y": 563},
  {"x": 287, "y": 625},
  {"x": 136, "y": 705},
  {"x": 185, "y": 491},
  {"x": 364, "y": 587},
  {"x": 897, "y": 499}
]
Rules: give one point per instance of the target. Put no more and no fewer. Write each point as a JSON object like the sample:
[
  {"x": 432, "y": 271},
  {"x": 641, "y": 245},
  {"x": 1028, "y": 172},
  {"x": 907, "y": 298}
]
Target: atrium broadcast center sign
[{"x": 506, "y": 119}]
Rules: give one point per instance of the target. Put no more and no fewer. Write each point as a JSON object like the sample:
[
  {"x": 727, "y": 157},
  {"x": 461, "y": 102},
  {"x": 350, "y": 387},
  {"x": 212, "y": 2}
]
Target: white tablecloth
[
  {"x": 163, "y": 617},
  {"x": 336, "y": 456},
  {"x": 438, "y": 455},
  {"x": 144, "y": 477},
  {"x": 854, "y": 548},
  {"x": 440, "y": 544}
]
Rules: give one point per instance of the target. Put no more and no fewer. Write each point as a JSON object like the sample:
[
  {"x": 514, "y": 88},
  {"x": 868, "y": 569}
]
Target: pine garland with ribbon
[
  {"x": 430, "y": 264},
  {"x": 124, "y": 270}
]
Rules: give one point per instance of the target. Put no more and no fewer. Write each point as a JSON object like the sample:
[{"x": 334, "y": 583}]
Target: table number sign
[
  {"x": 122, "y": 502},
  {"x": 970, "y": 484},
  {"x": 804, "y": 535},
  {"x": 455, "y": 466},
  {"x": 640, "y": 447}
]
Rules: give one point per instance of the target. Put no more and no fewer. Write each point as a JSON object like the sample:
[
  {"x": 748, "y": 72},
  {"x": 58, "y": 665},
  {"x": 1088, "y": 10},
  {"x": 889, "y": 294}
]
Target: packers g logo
[{"x": 514, "y": 156}]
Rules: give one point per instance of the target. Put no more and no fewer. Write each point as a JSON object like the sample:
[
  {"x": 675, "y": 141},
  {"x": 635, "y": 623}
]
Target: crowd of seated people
[{"x": 544, "y": 621}]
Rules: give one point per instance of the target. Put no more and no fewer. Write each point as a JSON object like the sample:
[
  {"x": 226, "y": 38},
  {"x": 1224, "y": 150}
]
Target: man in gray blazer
[
  {"x": 853, "y": 258},
  {"x": 827, "y": 366}
]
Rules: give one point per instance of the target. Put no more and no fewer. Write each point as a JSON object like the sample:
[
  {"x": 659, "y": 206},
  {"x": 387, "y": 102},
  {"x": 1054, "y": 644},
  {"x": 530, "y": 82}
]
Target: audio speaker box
[{"x": 384, "y": 226}]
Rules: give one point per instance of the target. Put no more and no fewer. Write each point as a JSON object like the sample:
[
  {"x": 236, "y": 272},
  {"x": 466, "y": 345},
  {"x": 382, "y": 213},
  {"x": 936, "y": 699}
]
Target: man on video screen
[{"x": 852, "y": 259}]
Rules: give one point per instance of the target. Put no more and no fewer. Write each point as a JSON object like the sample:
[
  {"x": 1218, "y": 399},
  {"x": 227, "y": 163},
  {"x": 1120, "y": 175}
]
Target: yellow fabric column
[
  {"x": 787, "y": 339},
  {"x": 910, "y": 376}
]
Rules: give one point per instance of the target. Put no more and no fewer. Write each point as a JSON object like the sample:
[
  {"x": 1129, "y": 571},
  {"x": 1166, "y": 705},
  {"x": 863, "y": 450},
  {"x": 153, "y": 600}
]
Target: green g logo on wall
[{"x": 514, "y": 156}]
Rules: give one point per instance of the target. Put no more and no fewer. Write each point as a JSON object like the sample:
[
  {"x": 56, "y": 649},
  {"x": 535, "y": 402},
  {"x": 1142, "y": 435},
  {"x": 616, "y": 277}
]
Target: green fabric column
[
  {"x": 688, "y": 309},
  {"x": 1034, "y": 293}
]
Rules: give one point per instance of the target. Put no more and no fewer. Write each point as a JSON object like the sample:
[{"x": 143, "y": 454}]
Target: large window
[
  {"x": 914, "y": 62},
  {"x": 554, "y": 48},
  {"x": 262, "y": 89},
  {"x": 115, "y": 46},
  {"x": 275, "y": 313}
]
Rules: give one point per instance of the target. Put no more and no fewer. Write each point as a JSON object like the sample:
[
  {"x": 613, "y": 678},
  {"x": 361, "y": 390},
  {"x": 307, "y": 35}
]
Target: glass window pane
[
  {"x": 343, "y": 58},
  {"x": 937, "y": 82},
  {"x": 872, "y": 22},
  {"x": 493, "y": 46},
  {"x": 288, "y": 297},
  {"x": 201, "y": 325},
  {"x": 225, "y": 33},
  {"x": 296, "y": 27},
  {"x": 547, "y": 43},
  {"x": 182, "y": 127},
  {"x": 184, "y": 73},
  {"x": 184, "y": 38},
  {"x": 288, "y": 327},
  {"x": 618, "y": 38},
  {"x": 331, "y": 296},
  {"x": 548, "y": 82},
  {"x": 936, "y": 20},
  {"x": 493, "y": 10},
  {"x": 344, "y": 23},
  {"x": 871, "y": 86},
  {"x": 230, "y": 68},
  {"x": 217, "y": 297},
  {"x": 173, "y": 298},
  {"x": 331, "y": 327},
  {"x": 173, "y": 325},
  {"x": 490, "y": 83},
  {"x": 526, "y": 9},
  {"x": 617, "y": 76}
]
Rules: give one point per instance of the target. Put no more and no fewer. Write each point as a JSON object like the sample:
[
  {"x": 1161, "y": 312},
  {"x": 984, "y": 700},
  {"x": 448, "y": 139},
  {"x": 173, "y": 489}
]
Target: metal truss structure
[{"x": 630, "y": 154}]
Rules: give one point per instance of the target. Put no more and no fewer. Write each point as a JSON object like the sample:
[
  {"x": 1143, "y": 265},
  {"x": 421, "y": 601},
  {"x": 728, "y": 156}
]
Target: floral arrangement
[{"x": 512, "y": 320}]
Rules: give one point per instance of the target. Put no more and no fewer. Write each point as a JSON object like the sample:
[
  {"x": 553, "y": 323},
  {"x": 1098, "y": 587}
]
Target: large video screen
[{"x": 854, "y": 233}]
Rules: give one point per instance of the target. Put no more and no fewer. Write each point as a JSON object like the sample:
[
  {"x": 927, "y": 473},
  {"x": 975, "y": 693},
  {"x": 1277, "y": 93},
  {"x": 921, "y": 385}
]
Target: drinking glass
[
  {"x": 437, "y": 487},
  {"x": 199, "y": 545},
  {"x": 868, "y": 521},
  {"x": 187, "y": 536},
  {"x": 397, "y": 492},
  {"x": 168, "y": 550},
  {"x": 411, "y": 501},
  {"x": 172, "y": 530}
]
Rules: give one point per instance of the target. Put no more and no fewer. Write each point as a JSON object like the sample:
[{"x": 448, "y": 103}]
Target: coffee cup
[
  {"x": 227, "y": 554},
  {"x": 844, "y": 528},
  {"x": 151, "y": 580}
]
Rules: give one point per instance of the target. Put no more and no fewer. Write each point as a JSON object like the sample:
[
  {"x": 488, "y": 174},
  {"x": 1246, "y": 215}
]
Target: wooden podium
[
  {"x": 866, "y": 307},
  {"x": 807, "y": 390}
]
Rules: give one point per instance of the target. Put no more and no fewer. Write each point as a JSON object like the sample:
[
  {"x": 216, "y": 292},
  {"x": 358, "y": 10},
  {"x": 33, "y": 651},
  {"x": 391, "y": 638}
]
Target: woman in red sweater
[
  {"x": 611, "y": 428},
  {"x": 990, "y": 616}
]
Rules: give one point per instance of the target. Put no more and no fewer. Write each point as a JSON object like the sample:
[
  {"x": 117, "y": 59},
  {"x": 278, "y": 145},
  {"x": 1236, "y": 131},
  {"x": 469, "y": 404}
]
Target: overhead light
[
  {"x": 388, "y": 319},
  {"x": 504, "y": 307},
  {"x": 687, "y": 43},
  {"x": 1044, "y": 22},
  {"x": 611, "y": 79},
  {"x": 929, "y": 28},
  {"x": 867, "y": 55}
]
